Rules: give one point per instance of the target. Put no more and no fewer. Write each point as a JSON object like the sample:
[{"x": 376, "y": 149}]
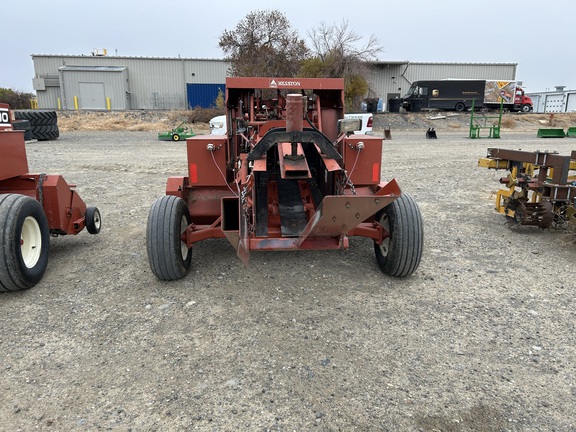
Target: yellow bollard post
[
  {"x": 108, "y": 103},
  {"x": 59, "y": 107},
  {"x": 76, "y": 103}
]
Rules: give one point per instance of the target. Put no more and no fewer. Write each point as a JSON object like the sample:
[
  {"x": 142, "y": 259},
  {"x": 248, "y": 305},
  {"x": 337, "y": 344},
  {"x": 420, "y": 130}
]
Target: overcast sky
[{"x": 537, "y": 35}]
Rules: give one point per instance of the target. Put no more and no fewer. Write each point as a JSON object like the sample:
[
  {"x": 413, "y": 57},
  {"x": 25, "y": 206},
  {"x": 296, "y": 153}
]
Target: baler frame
[
  {"x": 288, "y": 175},
  {"x": 33, "y": 207}
]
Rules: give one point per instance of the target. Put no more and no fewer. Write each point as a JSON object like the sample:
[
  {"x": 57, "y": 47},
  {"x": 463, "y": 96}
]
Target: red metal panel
[
  {"x": 13, "y": 160},
  {"x": 64, "y": 209},
  {"x": 207, "y": 167},
  {"x": 363, "y": 165}
]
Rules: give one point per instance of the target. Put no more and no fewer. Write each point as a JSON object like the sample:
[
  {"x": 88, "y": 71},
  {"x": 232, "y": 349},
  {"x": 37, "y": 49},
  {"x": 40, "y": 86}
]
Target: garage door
[
  {"x": 571, "y": 102},
  {"x": 554, "y": 103}
]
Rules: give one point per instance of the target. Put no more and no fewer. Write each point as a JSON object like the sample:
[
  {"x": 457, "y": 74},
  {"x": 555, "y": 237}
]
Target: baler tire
[
  {"x": 400, "y": 253},
  {"x": 168, "y": 255},
  {"x": 175, "y": 137},
  {"x": 93, "y": 220},
  {"x": 24, "y": 242}
]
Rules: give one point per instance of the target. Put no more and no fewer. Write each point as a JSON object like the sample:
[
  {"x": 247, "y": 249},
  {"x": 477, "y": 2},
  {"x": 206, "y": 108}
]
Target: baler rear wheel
[
  {"x": 24, "y": 242},
  {"x": 93, "y": 220},
  {"x": 400, "y": 253},
  {"x": 168, "y": 255}
]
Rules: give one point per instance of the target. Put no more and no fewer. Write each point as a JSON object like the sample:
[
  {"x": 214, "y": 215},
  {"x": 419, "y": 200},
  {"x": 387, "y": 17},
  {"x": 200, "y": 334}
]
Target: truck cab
[{"x": 521, "y": 101}]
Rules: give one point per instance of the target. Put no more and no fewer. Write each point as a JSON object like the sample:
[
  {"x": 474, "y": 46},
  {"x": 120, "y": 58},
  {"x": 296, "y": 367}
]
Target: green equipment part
[
  {"x": 551, "y": 133},
  {"x": 182, "y": 131}
]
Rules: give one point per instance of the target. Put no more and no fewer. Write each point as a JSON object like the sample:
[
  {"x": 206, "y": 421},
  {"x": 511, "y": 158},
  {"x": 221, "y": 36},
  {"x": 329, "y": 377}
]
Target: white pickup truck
[
  {"x": 218, "y": 123},
  {"x": 367, "y": 120}
]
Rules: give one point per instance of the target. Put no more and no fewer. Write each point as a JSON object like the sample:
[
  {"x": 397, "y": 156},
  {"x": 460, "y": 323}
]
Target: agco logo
[
  {"x": 4, "y": 118},
  {"x": 275, "y": 83}
]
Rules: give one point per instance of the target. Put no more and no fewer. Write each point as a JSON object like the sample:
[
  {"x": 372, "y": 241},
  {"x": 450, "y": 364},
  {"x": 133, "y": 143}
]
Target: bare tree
[
  {"x": 338, "y": 53},
  {"x": 264, "y": 44}
]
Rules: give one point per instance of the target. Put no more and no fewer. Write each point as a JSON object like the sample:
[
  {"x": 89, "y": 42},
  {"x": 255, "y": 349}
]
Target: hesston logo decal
[{"x": 275, "y": 83}]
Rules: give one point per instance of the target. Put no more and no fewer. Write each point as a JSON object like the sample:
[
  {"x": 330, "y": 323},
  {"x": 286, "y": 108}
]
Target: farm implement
[
  {"x": 32, "y": 207},
  {"x": 289, "y": 174},
  {"x": 538, "y": 189},
  {"x": 180, "y": 132}
]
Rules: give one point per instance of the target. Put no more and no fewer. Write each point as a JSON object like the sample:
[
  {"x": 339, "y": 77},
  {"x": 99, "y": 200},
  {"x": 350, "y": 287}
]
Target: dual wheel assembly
[{"x": 25, "y": 240}]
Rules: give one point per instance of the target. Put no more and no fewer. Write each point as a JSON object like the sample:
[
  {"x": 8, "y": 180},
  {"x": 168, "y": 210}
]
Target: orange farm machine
[
  {"x": 540, "y": 188},
  {"x": 288, "y": 175},
  {"x": 32, "y": 207}
]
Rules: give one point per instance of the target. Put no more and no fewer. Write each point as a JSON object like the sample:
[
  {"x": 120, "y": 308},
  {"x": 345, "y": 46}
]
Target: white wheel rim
[
  {"x": 97, "y": 220},
  {"x": 30, "y": 242},
  {"x": 385, "y": 246},
  {"x": 183, "y": 246}
]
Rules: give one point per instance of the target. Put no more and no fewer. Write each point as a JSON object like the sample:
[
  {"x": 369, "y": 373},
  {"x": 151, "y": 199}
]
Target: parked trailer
[
  {"x": 287, "y": 174},
  {"x": 458, "y": 95},
  {"x": 32, "y": 207}
]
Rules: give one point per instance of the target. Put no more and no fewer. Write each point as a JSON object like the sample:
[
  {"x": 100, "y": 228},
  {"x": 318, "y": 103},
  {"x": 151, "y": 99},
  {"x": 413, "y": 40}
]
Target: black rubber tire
[
  {"x": 526, "y": 108},
  {"x": 43, "y": 133},
  {"x": 22, "y": 262},
  {"x": 37, "y": 117},
  {"x": 175, "y": 137},
  {"x": 168, "y": 256},
  {"x": 400, "y": 254},
  {"x": 460, "y": 107},
  {"x": 24, "y": 125},
  {"x": 93, "y": 220}
]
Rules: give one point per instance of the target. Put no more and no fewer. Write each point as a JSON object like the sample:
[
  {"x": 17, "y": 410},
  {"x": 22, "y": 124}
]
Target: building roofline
[{"x": 126, "y": 57}]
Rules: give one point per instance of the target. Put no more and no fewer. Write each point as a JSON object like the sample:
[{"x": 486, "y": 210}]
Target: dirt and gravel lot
[{"x": 481, "y": 338}]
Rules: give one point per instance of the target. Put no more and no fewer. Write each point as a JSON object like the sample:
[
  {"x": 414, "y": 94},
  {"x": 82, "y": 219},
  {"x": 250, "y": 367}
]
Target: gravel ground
[{"x": 480, "y": 338}]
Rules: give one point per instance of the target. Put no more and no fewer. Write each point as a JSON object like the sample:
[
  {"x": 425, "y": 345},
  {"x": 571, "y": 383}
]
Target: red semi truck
[{"x": 458, "y": 95}]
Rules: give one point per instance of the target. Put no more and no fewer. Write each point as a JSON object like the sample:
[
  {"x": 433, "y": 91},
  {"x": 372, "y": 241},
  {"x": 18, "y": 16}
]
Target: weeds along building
[{"x": 105, "y": 82}]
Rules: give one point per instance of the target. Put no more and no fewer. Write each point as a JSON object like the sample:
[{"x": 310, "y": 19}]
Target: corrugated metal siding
[
  {"x": 386, "y": 79},
  {"x": 488, "y": 71},
  {"x": 113, "y": 81},
  {"x": 161, "y": 83},
  {"x": 554, "y": 101},
  {"x": 153, "y": 83}
]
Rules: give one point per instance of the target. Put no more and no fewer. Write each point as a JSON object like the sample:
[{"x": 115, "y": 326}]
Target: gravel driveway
[{"x": 480, "y": 338}]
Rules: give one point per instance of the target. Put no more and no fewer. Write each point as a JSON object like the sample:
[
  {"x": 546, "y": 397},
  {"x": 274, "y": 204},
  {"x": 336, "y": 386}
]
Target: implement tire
[
  {"x": 24, "y": 242},
  {"x": 399, "y": 255},
  {"x": 168, "y": 255}
]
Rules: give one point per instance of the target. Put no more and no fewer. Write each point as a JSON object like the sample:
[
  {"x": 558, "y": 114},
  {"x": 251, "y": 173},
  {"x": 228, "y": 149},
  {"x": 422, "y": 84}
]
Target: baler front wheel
[
  {"x": 400, "y": 253},
  {"x": 168, "y": 255},
  {"x": 93, "y": 220},
  {"x": 24, "y": 242}
]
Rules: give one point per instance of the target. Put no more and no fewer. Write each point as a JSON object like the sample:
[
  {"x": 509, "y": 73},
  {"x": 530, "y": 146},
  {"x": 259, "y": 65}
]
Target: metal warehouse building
[
  {"x": 126, "y": 83},
  {"x": 556, "y": 101},
  {"x": 102, "y": 82}
]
